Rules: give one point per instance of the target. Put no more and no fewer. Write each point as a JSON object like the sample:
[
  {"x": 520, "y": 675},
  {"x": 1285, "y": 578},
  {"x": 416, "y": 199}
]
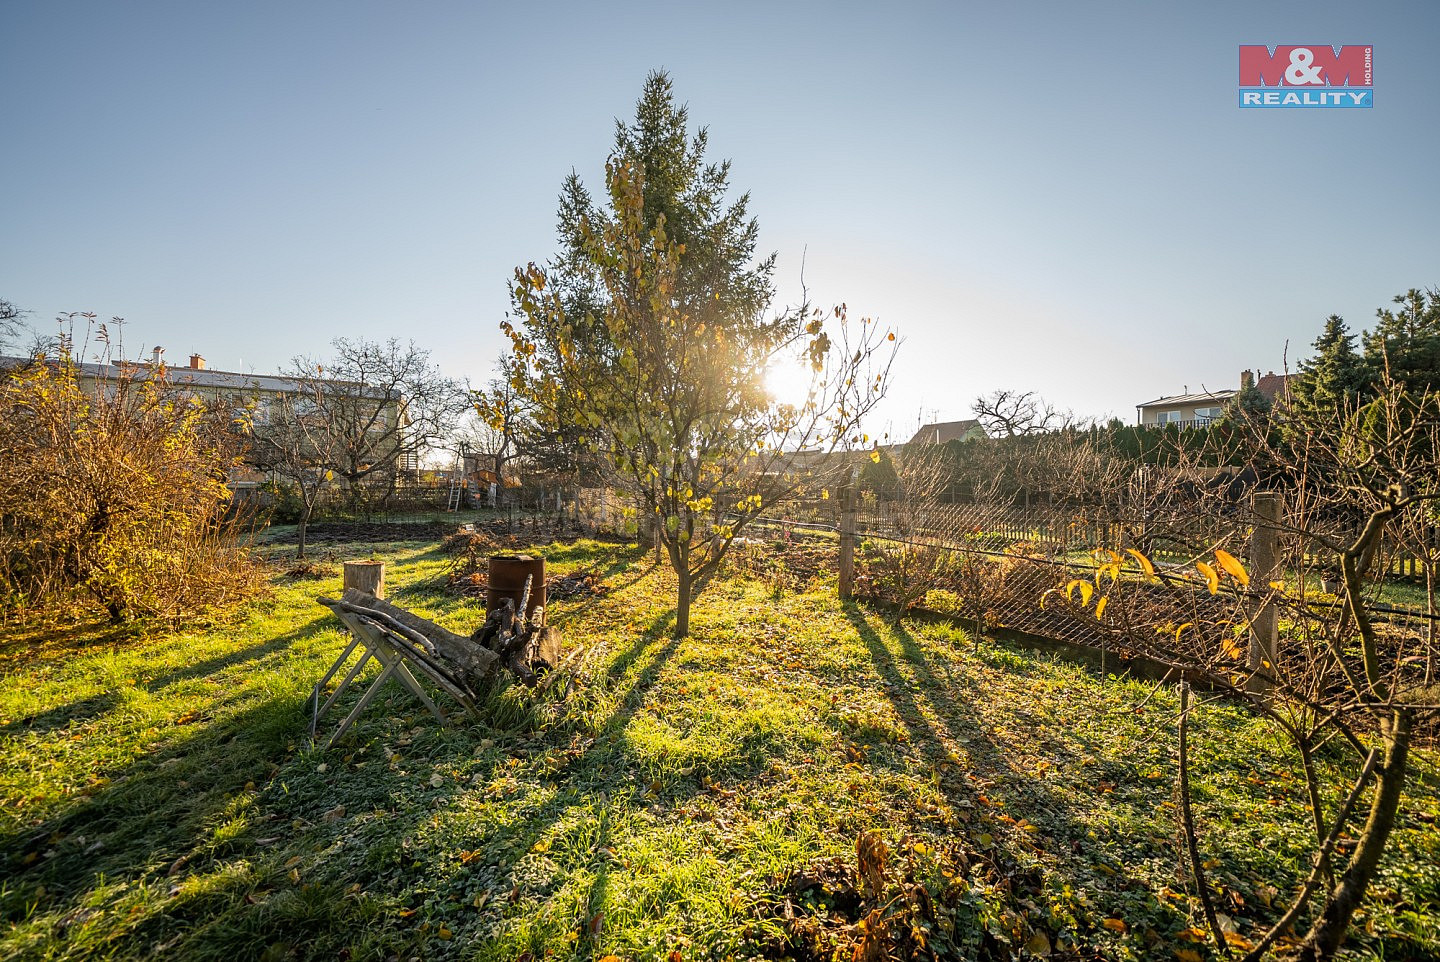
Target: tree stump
[{"x": 366, "y": 576}]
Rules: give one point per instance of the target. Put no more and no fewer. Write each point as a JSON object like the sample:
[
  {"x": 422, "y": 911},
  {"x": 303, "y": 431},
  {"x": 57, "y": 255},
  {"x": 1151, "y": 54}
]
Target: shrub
[{"x": 114, "y": 492}]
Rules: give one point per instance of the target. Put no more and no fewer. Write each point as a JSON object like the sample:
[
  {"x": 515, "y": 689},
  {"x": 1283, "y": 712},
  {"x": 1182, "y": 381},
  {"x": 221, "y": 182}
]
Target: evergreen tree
[
  {"x": 1248, "y": 404},
  {"x": 1333, "y": 377},
  {"x": 645, "y": 338},
  {"x": 1407, "y": 341}
]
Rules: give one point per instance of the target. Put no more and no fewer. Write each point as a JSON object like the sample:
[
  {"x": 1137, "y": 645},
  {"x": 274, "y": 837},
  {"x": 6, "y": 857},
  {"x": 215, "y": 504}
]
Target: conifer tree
[
  {"x": 1334, "y": 376},
  {"x": 647, "y": 335},
  {"x": 1248, "y": 404},
  {"x": 1407, "y": 341}
]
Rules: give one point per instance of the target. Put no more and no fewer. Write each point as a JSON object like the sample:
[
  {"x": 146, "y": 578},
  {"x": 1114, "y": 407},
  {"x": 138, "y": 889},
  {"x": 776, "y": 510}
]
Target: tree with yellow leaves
[{"x": 649, "y": 335}]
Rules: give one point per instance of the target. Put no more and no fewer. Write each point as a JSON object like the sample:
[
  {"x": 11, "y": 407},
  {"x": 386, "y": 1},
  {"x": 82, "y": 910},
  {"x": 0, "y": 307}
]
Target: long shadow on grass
[
  {"x": 173, "y": 838},
  {"x": 158, "y": 808},
  {"x": 210, "y": 666},
  {"x": 1019, "y": 791},
  {"x": 63, "y": 716},
  {"x": 575, "y": 804}
]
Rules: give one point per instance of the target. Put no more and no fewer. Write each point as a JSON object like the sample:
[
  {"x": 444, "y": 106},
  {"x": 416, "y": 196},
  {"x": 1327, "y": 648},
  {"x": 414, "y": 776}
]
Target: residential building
[
  {"x": 1200, "y": 409},
  {"x": 251, "y": 398},
  {"x": 1184, "y": 410}
]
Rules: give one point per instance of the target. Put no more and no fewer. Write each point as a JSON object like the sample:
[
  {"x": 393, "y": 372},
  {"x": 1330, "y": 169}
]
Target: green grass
[{"x": 159, "y": 797}]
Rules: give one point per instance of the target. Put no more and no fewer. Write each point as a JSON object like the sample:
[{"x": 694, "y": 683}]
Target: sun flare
[{"x": 789, "y": 380}]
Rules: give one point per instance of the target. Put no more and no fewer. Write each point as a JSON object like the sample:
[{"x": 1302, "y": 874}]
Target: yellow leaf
[
  {"x": 1116, "y": 925},
  {"x": 1212, "y": 577},
  {"x": 1086, "y": 590},
  {"x": 1180, "y": 629},
  {"x": 875, "y": 456},
  {"x": 1100, "y": 606},
  {"x": 1039, "y": 944},
  {"x": 1187, "y": 955},
  {"x": 1232, "y": 567},
  {"x": 445, "y": 933},
  {"x": 1145, "y": 564}
]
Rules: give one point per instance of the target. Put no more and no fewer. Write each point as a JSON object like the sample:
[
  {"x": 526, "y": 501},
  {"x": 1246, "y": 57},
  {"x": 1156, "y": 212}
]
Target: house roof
[
  {"x": 939, "y": 432},
  {"x": 1183, "y": 399},
  {"x": 190, "y": 376},
  {"x": 1274, "y": 385},
  {"x": 1271, "y": 385}
]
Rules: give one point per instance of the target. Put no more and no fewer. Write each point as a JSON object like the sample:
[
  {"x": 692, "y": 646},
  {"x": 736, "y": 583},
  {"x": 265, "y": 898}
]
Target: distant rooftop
[
  {"x": 939, "y": 432},
  {"x": 1201, "y": 398},
  {"x": 193, "y": 376},
  {"x": 1270, "y": 384}
]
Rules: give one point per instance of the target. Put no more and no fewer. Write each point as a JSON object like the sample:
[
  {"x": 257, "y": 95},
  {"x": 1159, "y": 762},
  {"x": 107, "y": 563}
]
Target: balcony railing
[{"x": 1183, "y": 423}]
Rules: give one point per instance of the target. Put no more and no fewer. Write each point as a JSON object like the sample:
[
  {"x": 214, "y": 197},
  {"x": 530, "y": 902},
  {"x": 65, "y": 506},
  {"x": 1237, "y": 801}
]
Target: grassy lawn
[{"x": 159, "y": 797}]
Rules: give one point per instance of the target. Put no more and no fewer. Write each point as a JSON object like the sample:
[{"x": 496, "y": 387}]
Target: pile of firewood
[{"x": 524, "y": 645}]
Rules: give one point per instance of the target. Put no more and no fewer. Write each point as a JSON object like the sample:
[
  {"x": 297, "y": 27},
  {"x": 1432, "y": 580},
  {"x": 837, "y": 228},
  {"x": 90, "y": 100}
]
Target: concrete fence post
[{"x": 1264, "y": 568}]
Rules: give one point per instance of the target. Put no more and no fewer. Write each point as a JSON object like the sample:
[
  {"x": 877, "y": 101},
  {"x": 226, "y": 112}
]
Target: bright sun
[{"x": 788, "y": 379}]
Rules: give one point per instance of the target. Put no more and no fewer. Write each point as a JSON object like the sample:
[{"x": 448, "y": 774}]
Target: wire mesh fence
[{"x": 1099, "y": 575}]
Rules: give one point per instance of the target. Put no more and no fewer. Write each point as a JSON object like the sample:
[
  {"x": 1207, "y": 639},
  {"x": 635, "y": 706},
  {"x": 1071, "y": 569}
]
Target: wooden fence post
[
  {"x": 847, "y": 540},
  {"x": 367, "y": 576},
  {"x": 1264, "y": 568}
]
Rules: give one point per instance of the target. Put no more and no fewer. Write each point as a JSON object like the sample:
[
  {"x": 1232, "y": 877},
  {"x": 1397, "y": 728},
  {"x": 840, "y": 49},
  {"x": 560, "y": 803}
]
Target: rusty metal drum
[{"x": 507, "y": 580}]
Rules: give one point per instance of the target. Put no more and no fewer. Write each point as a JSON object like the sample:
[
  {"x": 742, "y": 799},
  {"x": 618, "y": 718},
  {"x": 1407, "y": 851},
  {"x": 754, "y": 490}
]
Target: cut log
[
  {"x": 366, "y": 576},
  {"x": 473, "y": 660}
]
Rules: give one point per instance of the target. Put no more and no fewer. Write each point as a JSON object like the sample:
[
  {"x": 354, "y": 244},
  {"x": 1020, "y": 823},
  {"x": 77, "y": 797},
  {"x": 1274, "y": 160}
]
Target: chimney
[
  {"x": 1247, "y": 379},
  {"x": 197, "y": 363},
  {"x": 155, "y": 356}
]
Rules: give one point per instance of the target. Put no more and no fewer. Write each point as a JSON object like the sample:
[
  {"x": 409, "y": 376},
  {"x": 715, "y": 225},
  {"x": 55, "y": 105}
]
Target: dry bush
[
  {"x": 1329, "y": 665},
  {"x": 116, "y": 497}
]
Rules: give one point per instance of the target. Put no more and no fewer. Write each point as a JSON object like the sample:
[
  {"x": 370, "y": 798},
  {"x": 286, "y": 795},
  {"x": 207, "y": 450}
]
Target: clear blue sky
[{"x": 1059, "y": 196}]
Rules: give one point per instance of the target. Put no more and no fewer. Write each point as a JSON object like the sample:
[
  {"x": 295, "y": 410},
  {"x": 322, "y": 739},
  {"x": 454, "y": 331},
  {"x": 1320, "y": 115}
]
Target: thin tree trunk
[
  {"x": 682, "y": 606},
  {"x": 1312, "y": 787},
  {"x": 1192, "y": 842},
  {"x": 1324, "y": 936},
  {"x": 304, "y": 525}
]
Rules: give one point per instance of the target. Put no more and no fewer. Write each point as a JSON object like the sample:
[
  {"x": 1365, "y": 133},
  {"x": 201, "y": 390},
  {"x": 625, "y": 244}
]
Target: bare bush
[
  {"x": 1327, "y": 667},
  {"x": 114, "y": 491}
]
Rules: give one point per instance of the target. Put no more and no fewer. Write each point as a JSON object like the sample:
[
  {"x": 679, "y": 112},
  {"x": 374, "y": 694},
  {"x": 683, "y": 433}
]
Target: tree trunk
[
  {"x": 304, "y": 523},
  {"x": 682, "y": 605},
  {"x": 1325, "y": 935}
]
